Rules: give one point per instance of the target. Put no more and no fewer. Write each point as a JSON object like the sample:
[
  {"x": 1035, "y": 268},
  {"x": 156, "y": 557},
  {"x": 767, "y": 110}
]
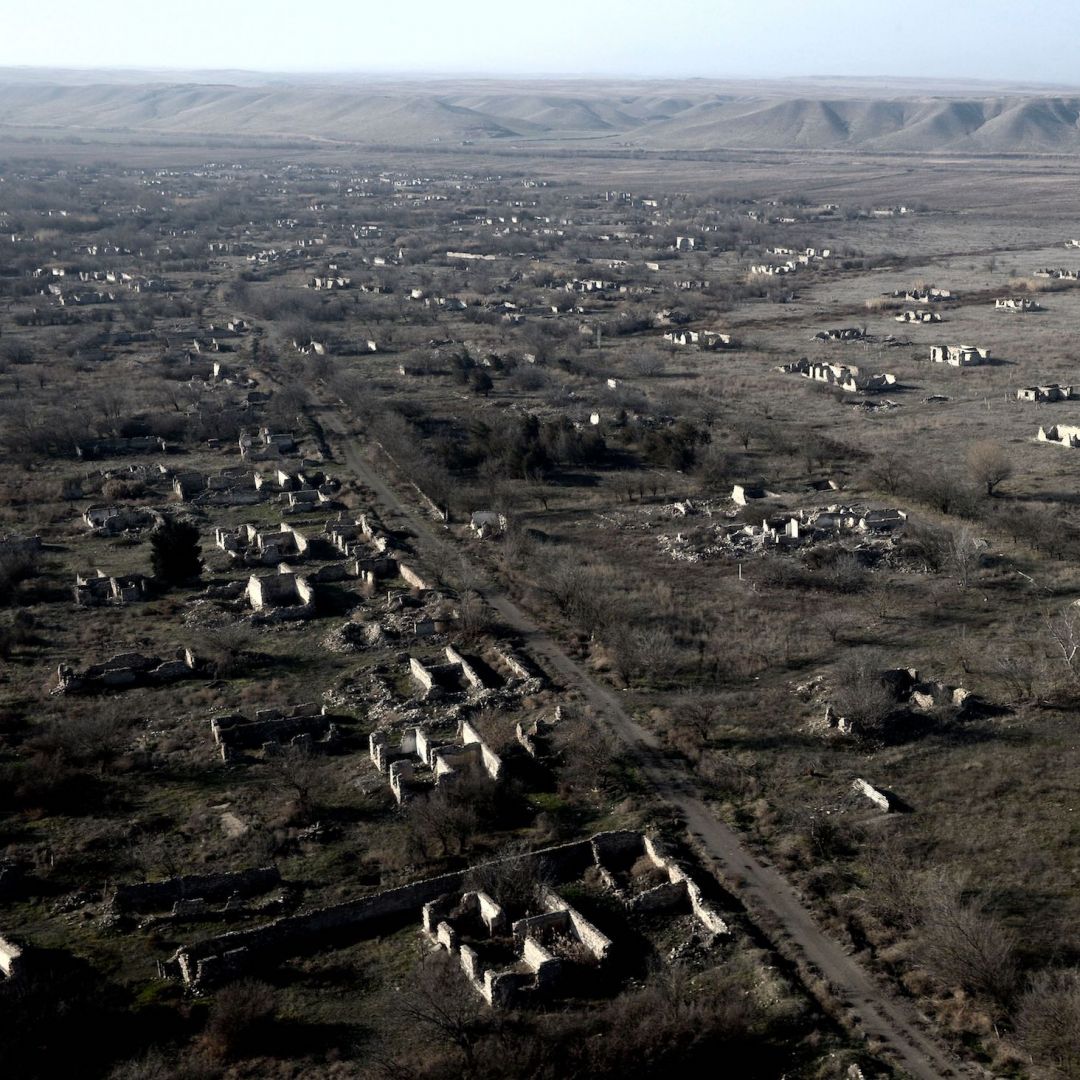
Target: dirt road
[{"x": 880, "y": 1016}]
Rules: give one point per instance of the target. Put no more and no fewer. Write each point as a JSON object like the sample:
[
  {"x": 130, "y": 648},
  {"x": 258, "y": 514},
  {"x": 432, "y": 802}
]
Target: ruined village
[{"x": 462, "y": 608}]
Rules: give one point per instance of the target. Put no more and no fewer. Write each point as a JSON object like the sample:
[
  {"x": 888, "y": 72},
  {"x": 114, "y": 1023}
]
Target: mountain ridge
[{"x": 665, "y": 115}]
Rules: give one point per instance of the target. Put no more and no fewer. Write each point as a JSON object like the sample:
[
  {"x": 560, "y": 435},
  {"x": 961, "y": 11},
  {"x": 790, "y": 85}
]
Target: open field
[{"x": 554, "y": 512}]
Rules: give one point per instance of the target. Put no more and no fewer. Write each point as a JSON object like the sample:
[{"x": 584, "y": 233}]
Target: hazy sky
[{"x": 993, "y": 39}]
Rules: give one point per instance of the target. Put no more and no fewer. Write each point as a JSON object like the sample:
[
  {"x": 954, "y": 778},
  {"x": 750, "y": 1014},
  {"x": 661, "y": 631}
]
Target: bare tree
[
  {"x": 746, "y": 426},
  {"x": 240, "y": 1018},
  {"x": 437, "y": 1001},
  {"x": 962, "y": 552},
  {"x": 298, "y": 770},
  {"x": 834, "y": 621},
  {"x": 698, "y": 713},
  {"x": 1063, "y": 630},
  {"x": 643, "y": 651},
  {"x": 989, "y": 464}
]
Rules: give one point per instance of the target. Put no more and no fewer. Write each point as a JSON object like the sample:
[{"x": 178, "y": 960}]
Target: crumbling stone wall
[
  {"x": 234, "y": 732},
  {"x": 126, "y": 670},
  {"x": 413, "y": 577},
  {"x": 421, "y": 673},
  {"x": 491, "y": 761},
  {"x": 216, "y": 959},
  {"x": 472, "y": 676},
  {"x": 158, "y": 895},
  {"x": 877, "y": 797},
  {"x": 516, "y": 665}
]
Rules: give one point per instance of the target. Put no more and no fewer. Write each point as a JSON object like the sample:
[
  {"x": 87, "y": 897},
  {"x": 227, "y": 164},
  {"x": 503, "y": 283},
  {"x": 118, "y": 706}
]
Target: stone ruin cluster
[
  {"x": 844, "y": 377},
  {"x": 906, "y": 690},
  {"x": 422, "y": 760},
  {"x": 270, "y": 729},
  {"x": 786, "y": 531},
  {"x": 127, "y": 670},
  {"x": 98, "y": 588},
  {"x": 510, "y": 960},
  {"x": 512, "y": 952}
]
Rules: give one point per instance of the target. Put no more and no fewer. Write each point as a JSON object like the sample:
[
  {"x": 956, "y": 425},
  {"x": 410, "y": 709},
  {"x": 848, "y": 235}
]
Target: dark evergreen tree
[{"x": 175, "y": 553}]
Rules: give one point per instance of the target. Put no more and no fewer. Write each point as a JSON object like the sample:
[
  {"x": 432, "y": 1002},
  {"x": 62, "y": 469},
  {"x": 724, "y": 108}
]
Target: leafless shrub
[
  {"x": 517, "y": 884},
  {"x": 15, "y": 566},
  {"x": 117, "y": 489},
  {"x": 444, "y": 822},
  {"x": 962, "y": 943},
  {"x": 240, "y": 1017},
  {"x": 1048, "y": 1021},
  {"x": 302, "y": 773},
  {"x": 644, "y": 652},
  {"x": 859, "y": 693}
]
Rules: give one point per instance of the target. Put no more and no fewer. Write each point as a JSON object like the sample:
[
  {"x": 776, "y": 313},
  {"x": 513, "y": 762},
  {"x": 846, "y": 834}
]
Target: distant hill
[{"x": 671, "y": 115}]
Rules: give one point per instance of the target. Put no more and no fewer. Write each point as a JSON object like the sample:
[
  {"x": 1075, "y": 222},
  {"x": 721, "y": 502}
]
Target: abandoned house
[
  {"x": 958, "y": 355},
  {"x": 189, "y": 894},
  {"x": 281, "y": 596},
  {"x": 456, "y": 675},
  {"x": 474, "y": 927},
  {"x": 234, "y": 732},
  {"x": 742, "y": 494},
  {"x": 422, "y": 761},
  {"x": 534, "y": 736},
  {"x": 112, "y": 520},
  {"x": 269, "y": 445},
  {"x": 485, "y": 523},
  {"x": 842, "y": 333},
  {"x": 928, "y": 295},
  {"x": 1049, "y": 392},
  {"x": 512, "y": 954},
  {"x": 252, "y": 546},
  {"x": 918, "y": 317},
  {"x": 94, "y": 589},
  {"x": 704, "y": 339},
  {"x": 1016, "y": 303},
  {"x": 774, "y": 269},
  {"x": 1062, "y": 434},
  {"x": 139, "y": 444},
  {"x": 842, "y": 376},
  {"x": 228, "y": 485}
]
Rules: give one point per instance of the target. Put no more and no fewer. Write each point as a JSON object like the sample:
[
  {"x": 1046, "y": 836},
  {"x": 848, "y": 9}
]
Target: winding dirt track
[{"x": 880, "y": 1016}]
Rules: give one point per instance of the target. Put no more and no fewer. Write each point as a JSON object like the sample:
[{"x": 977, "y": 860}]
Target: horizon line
[{"x": 565, "y": 76}]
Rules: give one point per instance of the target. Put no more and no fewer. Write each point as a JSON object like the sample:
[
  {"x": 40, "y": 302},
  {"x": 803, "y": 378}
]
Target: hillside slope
[{"x": 690, "y": 115}]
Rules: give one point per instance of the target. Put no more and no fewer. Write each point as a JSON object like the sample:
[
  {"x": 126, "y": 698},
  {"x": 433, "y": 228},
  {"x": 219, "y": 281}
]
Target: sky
[{"x": 1033, "y": 41}]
